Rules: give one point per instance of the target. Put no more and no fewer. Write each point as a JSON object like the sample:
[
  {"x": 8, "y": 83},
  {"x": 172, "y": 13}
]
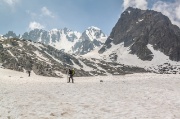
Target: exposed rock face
[
  {"x": 90, "y": 39},
  {"x": 137, "y": 28},
  {"x": 37, "y": 35},
  {"x": 50, "y": 37}
]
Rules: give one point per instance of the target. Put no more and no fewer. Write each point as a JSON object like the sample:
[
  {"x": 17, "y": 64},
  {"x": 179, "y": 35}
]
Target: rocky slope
[{"x": 23, "y": 55}]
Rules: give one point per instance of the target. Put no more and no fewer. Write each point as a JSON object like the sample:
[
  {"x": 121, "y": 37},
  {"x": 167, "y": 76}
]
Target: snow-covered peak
[
  {"x": 54, "y": 30},
  {"x": 93, "y": 33},
  {"x": 94, "y": 28},
  {"x": 64, "y": 31}
]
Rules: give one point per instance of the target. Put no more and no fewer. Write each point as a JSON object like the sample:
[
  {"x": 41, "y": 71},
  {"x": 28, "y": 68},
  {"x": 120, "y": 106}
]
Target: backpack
[{"x": 73, "y": 72}]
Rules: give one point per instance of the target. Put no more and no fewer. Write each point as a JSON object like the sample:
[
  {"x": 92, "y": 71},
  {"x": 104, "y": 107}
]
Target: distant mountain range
[
  {"x": 65, "y": 39},
  {"x": 140, "y": 38}
]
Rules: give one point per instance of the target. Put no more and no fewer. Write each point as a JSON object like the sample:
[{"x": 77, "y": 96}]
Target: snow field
[{"x": 136, "y": 96}]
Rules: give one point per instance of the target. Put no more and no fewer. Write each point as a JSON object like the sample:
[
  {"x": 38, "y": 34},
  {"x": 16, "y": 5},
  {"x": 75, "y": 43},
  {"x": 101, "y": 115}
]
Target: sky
[{"x": 24, "y": 15}]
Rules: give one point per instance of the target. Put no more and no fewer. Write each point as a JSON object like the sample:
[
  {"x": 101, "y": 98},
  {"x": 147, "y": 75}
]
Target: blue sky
[{"x": 23, "y": 15}]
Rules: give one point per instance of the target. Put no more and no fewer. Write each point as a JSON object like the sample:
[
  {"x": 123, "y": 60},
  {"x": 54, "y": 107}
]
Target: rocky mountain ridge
[
  {"x": 23, "y": 55},
  {"x": 65, "y": 39}
]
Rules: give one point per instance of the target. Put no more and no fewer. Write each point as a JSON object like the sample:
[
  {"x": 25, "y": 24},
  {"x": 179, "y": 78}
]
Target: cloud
[
  {"x": 178, "y": 11},
  {"x": 35, "y": 25},
  {"x": 46, "y": 12},
  {"x": 11, "y": 3},
  {"x": 43, "y": 15},
  {"x": 172, "y": 10},
  {"x": 142, "y": 4}
]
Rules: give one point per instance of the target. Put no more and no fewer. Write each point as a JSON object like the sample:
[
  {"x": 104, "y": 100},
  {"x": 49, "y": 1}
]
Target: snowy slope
[
  {"x": 63, "y": 42},
  {"x": 95, "y": 33},
  {"x": 124, "y": 57},
  {"x": 136, "y": 96}
]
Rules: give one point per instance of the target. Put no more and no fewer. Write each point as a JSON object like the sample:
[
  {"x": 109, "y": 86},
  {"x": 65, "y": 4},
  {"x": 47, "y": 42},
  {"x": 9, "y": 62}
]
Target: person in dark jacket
[
  {"x": 29, "y": 72},
  {"x": 71, "y": 74}
]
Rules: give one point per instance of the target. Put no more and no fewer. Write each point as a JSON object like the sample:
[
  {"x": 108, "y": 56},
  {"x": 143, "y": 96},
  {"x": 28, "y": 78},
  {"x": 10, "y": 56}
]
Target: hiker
[
  {"x": 71, "y": 74},
  {"x": 29, "y": 72}
]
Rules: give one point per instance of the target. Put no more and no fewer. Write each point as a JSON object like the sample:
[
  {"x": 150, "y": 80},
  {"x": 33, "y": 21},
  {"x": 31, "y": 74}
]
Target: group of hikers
[{"x": 70, "y": 73}]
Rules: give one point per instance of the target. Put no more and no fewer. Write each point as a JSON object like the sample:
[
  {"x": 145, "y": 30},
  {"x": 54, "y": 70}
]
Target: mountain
[
  {"x": 22, "y": 55},
  {"x": 90, "y": 39},
  {"x": 62, "y": 39},
  {"x": 143, "y": 38},
  {"x": 11, "y": 34},
  {"x": 140, "y": 38},
  {"x": 138, "y": 29},
  {"x": 65, "y": 39}
]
